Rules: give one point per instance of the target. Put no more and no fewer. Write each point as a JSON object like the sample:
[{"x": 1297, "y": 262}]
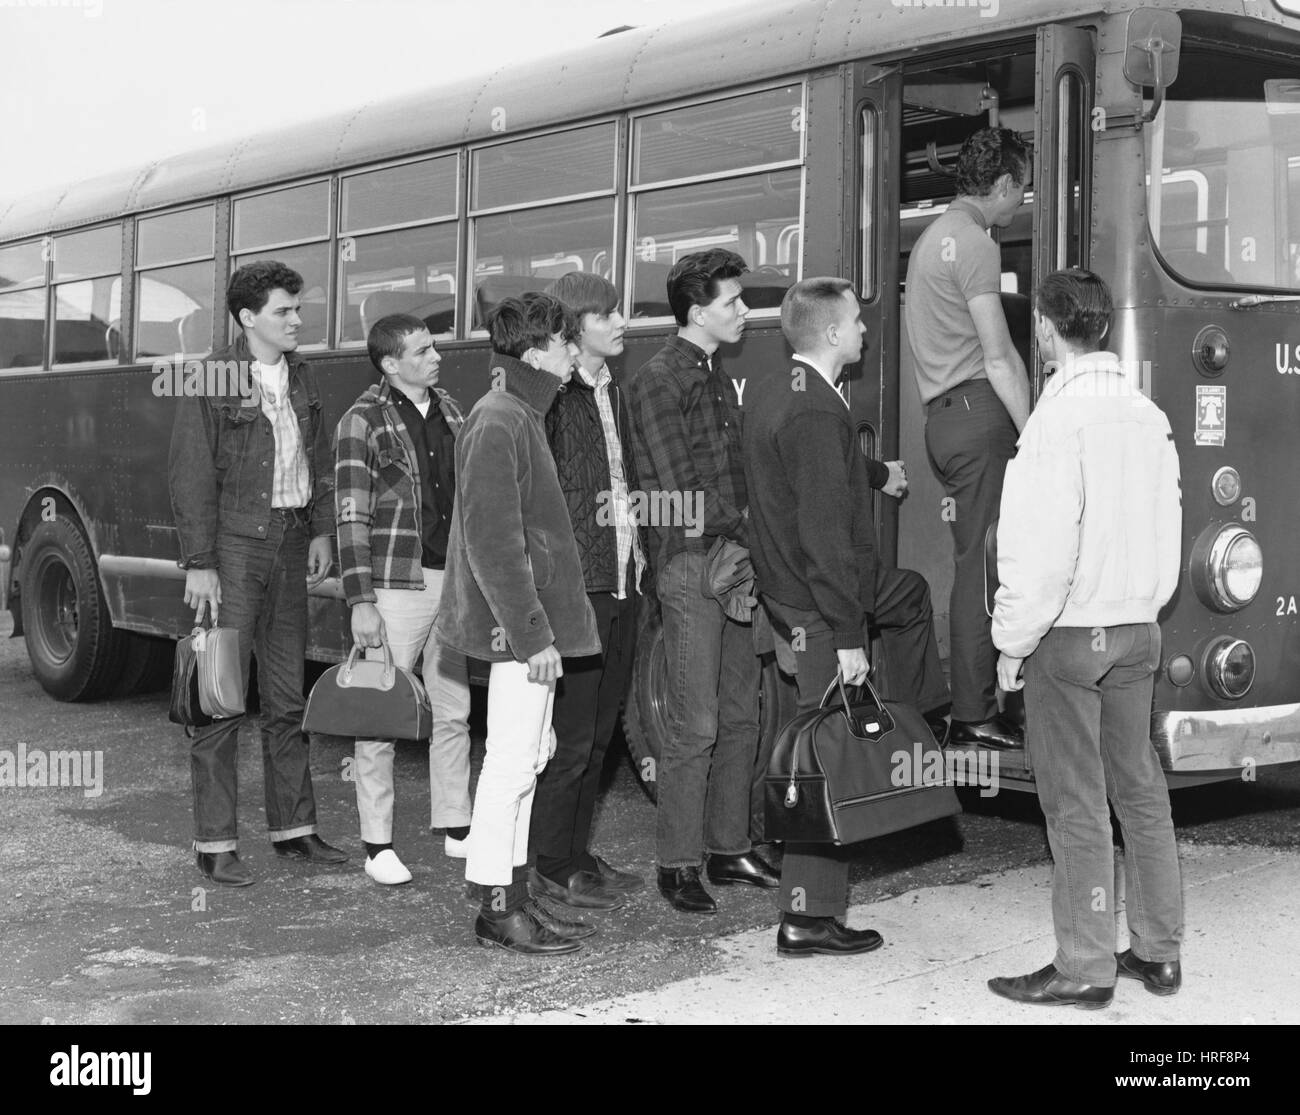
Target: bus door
[
  {"x": 1062, "y": 156},
  {"x": 874, "y": 138}
]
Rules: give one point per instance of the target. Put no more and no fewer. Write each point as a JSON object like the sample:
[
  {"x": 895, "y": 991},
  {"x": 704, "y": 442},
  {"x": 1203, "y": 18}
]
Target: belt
[
  {"x": 296, "y": 516},
  {"x": 957, "y": 395}
]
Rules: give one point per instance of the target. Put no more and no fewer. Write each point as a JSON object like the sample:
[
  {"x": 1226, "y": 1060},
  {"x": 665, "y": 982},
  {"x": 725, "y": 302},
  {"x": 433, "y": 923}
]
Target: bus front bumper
[{"x": 1227, "y": 739}]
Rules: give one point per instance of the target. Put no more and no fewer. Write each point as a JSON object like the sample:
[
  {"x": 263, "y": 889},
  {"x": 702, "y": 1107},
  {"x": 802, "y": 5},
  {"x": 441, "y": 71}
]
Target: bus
[{"x": 812, "y": 138}]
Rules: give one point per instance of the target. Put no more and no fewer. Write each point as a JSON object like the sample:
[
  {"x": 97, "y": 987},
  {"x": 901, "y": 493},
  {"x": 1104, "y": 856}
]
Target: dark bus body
[{"x": 877, "y": 96}]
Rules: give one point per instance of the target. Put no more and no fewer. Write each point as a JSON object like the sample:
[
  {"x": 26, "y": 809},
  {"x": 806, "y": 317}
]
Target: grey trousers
[{"x": 1088, "y": 703}]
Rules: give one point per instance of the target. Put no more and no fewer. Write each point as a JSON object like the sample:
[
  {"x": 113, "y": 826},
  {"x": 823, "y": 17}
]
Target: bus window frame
[
  {"x": 330, "y": 240},
  {"x": 52, "y": 294},
  {"x": 465, "y": 304},
  {"x": 47, "y": 264},
  {"x": 633, "y": 192},
  {"x": 138, "y": 271},
  {"x": 461, "y": 157}
]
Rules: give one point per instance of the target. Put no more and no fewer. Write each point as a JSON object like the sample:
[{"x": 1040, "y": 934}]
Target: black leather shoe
[
  {"x": 747, "y": 868},
  {"x": 684, "y": 891},
  {"x": 1160, "y": 977},
  {"x": 561, "y": 927},
  {"x": 311, "y": 848},
  {"x": 1048, "y": 988},
  {"x": 828, "y": 937},
  {"x": 614, "y": 879},
  {"x": 224, "y": 868},
  {"x": 519, "y": 931},
  {"x": 584, "y": 891},
  {"x": 996, "y": 731}
]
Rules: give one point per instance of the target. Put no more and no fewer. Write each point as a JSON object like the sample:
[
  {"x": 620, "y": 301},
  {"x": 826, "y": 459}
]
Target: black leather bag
[
  {"x": 185, "y": 708},
  {"x": 854, "y": 768}
]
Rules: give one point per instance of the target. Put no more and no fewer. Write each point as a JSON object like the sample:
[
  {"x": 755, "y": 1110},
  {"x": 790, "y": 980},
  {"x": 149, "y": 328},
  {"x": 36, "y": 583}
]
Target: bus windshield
[{"x": 1225, "y": 209}]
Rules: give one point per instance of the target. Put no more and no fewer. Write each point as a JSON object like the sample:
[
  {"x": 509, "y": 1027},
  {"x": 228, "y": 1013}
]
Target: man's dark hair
[
  {"x": 694, "y": 279},
  {"x": 809, "y": 307},
  {"x": 518, "y": 324},
  {"x": 584, "y": 293},
  {"x": 1077, "y": 303},
  {"x": 388, "y": 337},
  {"x": 989, "y": 154},
  {"x": 251, "y": 285}
]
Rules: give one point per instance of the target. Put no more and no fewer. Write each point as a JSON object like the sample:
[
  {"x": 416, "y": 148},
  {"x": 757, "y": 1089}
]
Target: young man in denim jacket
[{"x": 250, "y": 482}]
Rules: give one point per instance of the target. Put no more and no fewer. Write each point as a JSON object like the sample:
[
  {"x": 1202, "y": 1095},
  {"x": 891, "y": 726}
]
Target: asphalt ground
[{"x": 107, "y": 920}]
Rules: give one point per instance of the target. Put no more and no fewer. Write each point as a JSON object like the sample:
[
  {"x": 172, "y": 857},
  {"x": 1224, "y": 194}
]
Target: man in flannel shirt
[
  {"x": 394, "y": 482},
  {"x": 686, "y": 419}
]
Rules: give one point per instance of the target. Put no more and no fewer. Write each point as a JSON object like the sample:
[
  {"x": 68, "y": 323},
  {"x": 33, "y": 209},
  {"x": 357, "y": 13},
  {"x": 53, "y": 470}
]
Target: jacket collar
[
  {"x": 381, "y": 395},
  {"x": 532, "y": 385},
  {"x": 1065, "y": 379},
  {"x": 239, "y": 350}
]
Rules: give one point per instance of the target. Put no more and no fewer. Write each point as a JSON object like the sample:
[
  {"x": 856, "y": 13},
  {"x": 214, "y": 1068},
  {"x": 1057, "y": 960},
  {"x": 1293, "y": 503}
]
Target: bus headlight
[
  {"x": 1227, "y": 567},
  {"x": 1229, "y": 667}
]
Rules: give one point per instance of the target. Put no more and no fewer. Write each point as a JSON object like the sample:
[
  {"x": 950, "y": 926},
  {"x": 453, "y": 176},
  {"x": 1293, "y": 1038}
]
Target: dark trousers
[
  {"x": 1088, "y": 696},
  {"x": 587, "y": 702},
  {"x": 970, "y": 440},
  {"x": 705, "y": 773},
  {"x": 814, "y": 877},
  {"x": 264, "y": 597}
]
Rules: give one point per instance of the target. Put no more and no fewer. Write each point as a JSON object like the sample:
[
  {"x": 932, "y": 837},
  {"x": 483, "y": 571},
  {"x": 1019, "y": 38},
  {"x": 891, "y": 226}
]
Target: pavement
[{"x": 942, "y": 944}]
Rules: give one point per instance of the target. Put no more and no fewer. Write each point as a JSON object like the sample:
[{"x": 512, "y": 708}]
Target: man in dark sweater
[
  {"x": 587, "y": 427},
  {"x": 820, "y": 579}
]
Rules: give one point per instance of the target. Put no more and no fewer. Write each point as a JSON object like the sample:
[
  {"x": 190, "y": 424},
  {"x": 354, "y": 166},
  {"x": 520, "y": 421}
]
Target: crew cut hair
[
  {"x": 584, "y": 293},
  {"x": 388, "y": 337},
  {"x": 986, "y": 156},
  {"x": 694, "y": 279},
  {"x": 530, "y": 321},
  {"x": 809, "y": 307},
  {"x": 251, "y": 285},
  {"x": 1077, "y": 303}
]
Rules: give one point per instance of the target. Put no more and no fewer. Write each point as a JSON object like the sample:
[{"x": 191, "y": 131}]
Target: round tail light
[
  {"x": 1227, "y": 567},
  {"x": 1229, "y": 668}
]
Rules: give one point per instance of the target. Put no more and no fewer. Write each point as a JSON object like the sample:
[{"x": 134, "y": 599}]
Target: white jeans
[
  {"x": 519, "y": 744},
  {"x": 408, "y": 621}
]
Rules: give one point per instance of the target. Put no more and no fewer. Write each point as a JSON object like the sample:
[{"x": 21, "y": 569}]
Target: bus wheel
[
  {"x": 74, "y": 650},
  {"x": 645, "y": 717}
]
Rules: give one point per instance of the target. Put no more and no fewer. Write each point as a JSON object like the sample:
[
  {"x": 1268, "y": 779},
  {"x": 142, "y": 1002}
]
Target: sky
[{"x": 88, "y": 86}]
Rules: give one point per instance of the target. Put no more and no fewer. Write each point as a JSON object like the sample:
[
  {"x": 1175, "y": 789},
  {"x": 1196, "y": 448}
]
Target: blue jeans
[
  {"x": 263, "y": 596},
  {"x": 707, "y": 765},
  {"x": 1088, "y": 708}
]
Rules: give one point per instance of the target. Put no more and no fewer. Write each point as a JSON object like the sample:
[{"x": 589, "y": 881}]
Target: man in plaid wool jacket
[{"x": 395, "y": 478}]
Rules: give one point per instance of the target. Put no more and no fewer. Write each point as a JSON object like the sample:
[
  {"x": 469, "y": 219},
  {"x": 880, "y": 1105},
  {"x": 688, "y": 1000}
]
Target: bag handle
[
  {"x": 871, "y": 727},
  {"x": 386, "y": 682}
]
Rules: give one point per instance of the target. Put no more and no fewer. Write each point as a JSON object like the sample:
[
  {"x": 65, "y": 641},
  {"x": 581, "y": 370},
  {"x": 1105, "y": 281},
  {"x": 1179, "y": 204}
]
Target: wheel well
[{"x": 36, "y": 511}]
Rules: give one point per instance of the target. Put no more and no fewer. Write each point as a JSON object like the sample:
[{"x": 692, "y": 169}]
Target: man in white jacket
[{"x": 1088, "y": 554}]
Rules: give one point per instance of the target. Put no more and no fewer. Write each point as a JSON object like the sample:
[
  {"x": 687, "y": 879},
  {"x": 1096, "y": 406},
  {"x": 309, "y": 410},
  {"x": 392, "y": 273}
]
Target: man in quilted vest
[
  {"x": 587, "y": 428},
  {"x": 394, "y": 481}
]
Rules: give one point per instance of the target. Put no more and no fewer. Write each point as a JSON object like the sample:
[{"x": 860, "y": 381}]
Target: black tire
[
  {"x": 645, "y": 715},
  {"x": 135, "y": 662},
  {"x": 75, "y": 653},
  {"x": 146, "y": 664}
]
